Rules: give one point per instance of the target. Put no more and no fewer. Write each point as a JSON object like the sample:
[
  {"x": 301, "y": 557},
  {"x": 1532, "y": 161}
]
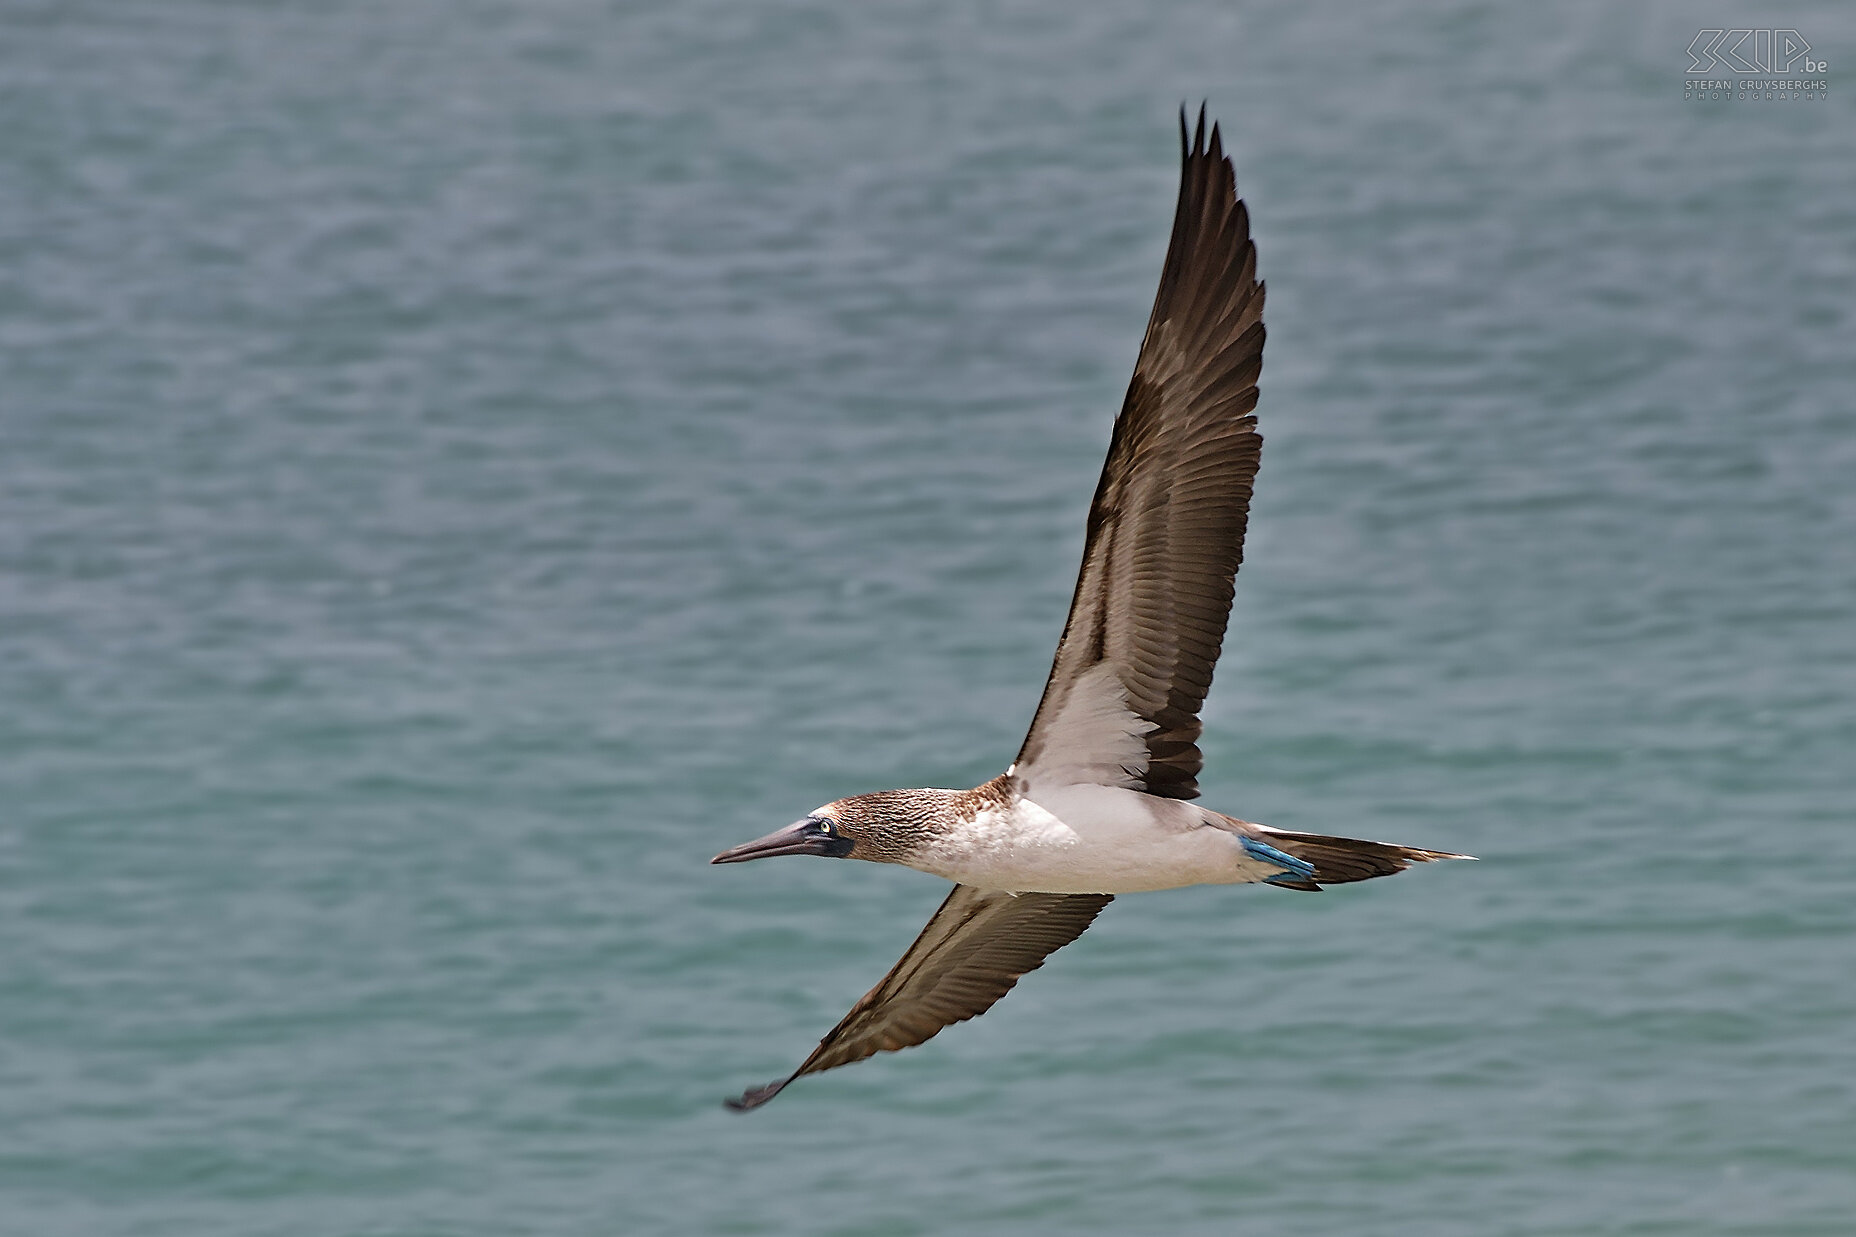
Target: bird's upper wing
[
  {"x": 1166, "y": 529},
  {"x": 969, "y": 955}
]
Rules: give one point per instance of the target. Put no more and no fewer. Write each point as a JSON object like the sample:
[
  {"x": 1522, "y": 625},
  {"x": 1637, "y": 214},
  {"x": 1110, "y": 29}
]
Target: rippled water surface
[{"x": 462, "y": 465}]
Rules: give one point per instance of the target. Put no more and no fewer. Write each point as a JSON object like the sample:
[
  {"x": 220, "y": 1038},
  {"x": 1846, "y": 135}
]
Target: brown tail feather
[{"x": 1341, "y": 861}]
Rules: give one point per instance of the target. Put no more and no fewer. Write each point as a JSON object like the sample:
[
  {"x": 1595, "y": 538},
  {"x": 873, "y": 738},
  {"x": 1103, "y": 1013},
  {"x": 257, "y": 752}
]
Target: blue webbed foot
[{"x": 1299, "y": 869}]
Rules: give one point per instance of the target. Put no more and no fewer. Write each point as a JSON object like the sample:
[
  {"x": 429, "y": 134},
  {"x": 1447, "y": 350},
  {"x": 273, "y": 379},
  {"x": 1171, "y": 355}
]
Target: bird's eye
[{"x": 826, "y": 827}]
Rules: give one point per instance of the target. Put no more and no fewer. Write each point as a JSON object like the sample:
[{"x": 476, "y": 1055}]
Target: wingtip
[
  {"x": 754, "y": 1097},
  {"x": 1197, "y": 141},
  {"x": 747, "y": 1101}
]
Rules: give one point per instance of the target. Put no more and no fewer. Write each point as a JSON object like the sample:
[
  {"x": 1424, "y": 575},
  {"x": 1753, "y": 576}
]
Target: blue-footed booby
[{"x": 1099, "y": 800}]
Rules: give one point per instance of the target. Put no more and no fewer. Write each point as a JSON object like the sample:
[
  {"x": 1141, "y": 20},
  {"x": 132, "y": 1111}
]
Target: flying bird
[{"x": 1099, "y": 800}]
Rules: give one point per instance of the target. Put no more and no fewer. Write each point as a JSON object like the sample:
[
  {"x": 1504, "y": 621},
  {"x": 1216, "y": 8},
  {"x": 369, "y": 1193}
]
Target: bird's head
[{"x": 880, "y": 827}]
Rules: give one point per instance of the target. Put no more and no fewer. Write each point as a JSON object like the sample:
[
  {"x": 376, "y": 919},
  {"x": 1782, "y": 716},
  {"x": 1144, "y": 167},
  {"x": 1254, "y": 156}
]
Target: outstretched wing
[
  {"x": 969, "y": 955},
  {"x": 1166, "y": 529}
]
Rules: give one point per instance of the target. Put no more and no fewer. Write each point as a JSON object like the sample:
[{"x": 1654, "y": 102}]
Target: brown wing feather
[
  {"x": 1166, "y": 529},
  {"x": 970, "y": 954}
]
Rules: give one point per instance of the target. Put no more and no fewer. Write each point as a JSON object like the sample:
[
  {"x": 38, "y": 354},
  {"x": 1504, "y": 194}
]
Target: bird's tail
[{"x": 1340, "y": 861}]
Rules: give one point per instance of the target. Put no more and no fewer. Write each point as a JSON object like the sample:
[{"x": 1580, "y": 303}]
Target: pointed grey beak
[{"x": 811, "y": 836}]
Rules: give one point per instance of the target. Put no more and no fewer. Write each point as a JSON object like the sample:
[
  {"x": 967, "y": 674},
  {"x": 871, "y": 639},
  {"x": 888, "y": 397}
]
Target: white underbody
[{"x": 1084, "y": 838}]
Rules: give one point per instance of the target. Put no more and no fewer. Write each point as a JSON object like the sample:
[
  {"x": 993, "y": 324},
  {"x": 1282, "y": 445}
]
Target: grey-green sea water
[{"x": 463, "y": 464}]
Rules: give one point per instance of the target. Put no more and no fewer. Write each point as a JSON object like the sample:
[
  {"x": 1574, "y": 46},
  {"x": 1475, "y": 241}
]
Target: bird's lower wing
[{"x": 970, "y": 954}]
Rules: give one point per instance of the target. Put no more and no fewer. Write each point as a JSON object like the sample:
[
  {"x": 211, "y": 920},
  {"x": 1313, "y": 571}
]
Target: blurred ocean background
[{"x": 464, "y": 464}]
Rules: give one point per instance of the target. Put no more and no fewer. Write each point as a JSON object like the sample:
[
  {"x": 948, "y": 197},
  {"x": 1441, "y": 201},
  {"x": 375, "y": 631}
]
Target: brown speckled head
[{"x": 886, "y": 827}]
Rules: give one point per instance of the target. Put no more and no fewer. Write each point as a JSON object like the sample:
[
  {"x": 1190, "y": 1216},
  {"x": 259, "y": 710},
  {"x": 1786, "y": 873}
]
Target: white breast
[{"x": 1092, "y": 839}]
